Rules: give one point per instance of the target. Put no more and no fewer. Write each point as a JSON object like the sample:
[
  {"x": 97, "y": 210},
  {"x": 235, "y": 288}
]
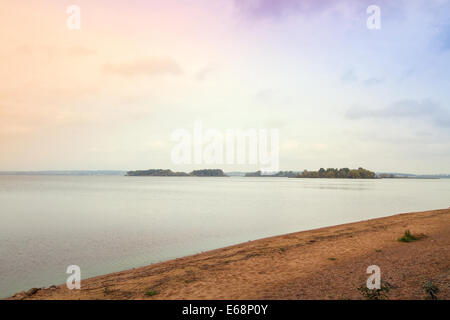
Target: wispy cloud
[
  {"x": 205, "y": 73},
  {"x": 405, "y": 109},
  {"x": 277, "y": 8},
  {"x": 260, "y": 8},
  {"x": 373, "y": 81},
  {"x": 444, "y": 37},
  {"x": 80, "y": 51},
  {"x": 53, "y": 50},
  {"x": 145, "y": 66},
  {"x": 349, "y": 76}
]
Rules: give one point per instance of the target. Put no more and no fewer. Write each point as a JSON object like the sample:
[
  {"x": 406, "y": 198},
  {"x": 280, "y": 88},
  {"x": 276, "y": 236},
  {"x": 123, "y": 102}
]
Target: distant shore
[
  {"x": 205, "y": 172},
  {"x": 325, "y": 263}
]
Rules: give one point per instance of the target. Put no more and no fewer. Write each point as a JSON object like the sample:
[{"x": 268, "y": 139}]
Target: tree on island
[
  {"x": 157, "y": 173},
  {"x": 208, "y": 173},
  {"x": 170, "y": 173},
  {"x": 288, "y": 174},
  {"x": 344, "y": 173}
]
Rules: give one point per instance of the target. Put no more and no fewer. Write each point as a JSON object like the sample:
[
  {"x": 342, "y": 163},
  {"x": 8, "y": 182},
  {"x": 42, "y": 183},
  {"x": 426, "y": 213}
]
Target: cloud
[
  {"x": 54, "y": 51},
  {"x": 277, "y": 8},
  {"x": 444, "y": 38},
  {"x": 440, "y": 25},
  {"x": 260, "y": 8},
  {"x": 80, "y": 51},
  {"x": 405, "y": 109},
  {"x": 146, "y": 66},
  {"x": 373, "y": 81},
  {"x": 265, "y": 95},
  {"x": 349, "y": 76},
  {"x": 205, "y": 73},
  {"x": 407, "y": 74}
]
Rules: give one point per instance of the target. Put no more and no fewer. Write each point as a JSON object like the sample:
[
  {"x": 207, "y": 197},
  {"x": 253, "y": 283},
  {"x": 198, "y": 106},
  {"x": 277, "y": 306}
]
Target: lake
[{"x": 110, "y": 223}]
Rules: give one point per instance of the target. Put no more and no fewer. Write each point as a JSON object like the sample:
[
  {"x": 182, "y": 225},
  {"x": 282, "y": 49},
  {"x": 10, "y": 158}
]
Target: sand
[{"x": 326, "y": 263}]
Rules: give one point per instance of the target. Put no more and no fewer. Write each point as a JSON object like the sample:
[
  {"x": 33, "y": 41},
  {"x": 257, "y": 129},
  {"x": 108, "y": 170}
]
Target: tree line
[
  {"x": 345, "y": 173},
  {"x": 170, "y": 173}
]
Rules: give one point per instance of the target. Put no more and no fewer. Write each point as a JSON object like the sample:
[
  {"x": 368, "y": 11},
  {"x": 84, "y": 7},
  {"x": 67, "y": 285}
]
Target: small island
[
  {"x": 208, "y": 173},
  {"x": 343, "y": 173},
  {"x": 289, "y": 174},
  {"x": 170, "y": 173},
  {"x": 156, "y": 173}
]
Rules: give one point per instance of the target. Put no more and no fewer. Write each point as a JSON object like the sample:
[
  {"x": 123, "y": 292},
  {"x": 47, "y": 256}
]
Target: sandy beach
[{"x": 326, "y": 263}]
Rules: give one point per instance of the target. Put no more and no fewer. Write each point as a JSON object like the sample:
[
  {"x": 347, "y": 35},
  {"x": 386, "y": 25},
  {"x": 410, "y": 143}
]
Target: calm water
[{"x": 107, "y": 224}]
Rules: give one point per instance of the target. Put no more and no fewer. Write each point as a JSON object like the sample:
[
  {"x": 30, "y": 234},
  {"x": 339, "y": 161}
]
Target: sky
[{"x": 110, "y": 94}]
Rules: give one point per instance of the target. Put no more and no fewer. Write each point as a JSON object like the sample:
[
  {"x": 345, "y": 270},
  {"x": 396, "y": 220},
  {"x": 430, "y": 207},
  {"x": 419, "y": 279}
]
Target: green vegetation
[
  {"x": 253, "y": 174},
  {"x": 157, "y": 173},
  {"x": 289, "y": 174},
  {"x": 170, "y": 173},
  {"x": 409, "y": 237},
  {"x": 376, "y": 294},
  {"x": 208, "y": 173},
  {"x": 359, "y": 173},
  {"x": 431, "y": 289},
  {"x": 344, "y": 173},
  {"x": 332, "y": 259},
  {"x": 151, "y": 292}
]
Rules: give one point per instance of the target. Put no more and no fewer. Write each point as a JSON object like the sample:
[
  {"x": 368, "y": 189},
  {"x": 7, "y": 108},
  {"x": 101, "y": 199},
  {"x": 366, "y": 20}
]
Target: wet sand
[{"x": 325, "y": 263}]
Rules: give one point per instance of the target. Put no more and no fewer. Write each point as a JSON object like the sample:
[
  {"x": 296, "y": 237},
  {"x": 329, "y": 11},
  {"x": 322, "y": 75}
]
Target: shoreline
[{"x": 324, "y": 263}]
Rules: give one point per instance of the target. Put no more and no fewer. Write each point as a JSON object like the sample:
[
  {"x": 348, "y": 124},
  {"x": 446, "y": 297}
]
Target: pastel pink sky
[{"x": 109, "y": 95}]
